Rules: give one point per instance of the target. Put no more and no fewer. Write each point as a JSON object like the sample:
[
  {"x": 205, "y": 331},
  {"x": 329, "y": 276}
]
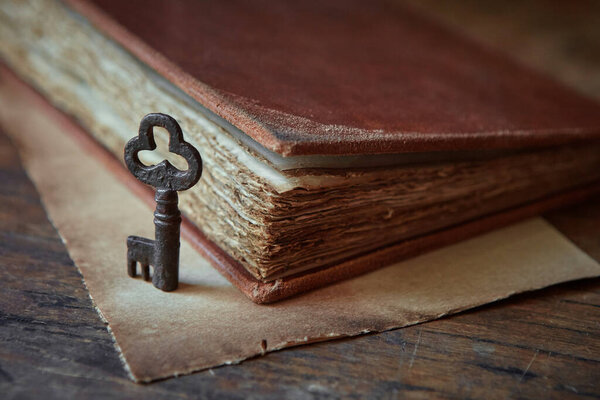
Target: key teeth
[
  {"x": 131, "y": 268},
  {"x": 146, "y": 272}
]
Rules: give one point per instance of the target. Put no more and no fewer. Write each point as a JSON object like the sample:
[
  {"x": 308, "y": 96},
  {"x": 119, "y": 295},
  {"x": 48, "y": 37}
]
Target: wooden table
[{"x": 53, "y": 344}]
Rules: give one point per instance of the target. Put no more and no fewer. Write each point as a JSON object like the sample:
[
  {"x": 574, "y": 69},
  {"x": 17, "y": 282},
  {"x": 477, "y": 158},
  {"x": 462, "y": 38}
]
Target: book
[{"x": 336, "y": 136}]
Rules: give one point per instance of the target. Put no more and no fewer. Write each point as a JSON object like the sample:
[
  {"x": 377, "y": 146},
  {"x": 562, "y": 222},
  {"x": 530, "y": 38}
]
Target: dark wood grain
[{"x": 53, "y": 344}]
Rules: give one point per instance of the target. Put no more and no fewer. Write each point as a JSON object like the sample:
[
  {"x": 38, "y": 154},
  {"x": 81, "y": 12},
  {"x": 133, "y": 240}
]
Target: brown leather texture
[{"x": 344, "y": 77}]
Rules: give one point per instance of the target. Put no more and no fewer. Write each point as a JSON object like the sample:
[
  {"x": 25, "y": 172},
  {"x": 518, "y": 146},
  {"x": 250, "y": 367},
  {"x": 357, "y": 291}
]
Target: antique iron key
[{"x": 162, "y": 253}]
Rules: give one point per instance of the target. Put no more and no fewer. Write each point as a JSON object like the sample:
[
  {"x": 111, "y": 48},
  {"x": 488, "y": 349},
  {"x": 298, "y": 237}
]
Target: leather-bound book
[{"x": 337, "y": 136}]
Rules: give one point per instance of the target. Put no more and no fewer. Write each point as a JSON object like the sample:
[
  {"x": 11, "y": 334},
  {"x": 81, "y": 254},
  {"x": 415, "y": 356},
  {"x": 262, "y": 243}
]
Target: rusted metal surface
[{"x": 162, "y": 253}]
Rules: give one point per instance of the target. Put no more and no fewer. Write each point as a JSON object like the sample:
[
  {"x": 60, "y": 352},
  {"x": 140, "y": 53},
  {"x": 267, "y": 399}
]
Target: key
[{"x": 162, "y": 253}]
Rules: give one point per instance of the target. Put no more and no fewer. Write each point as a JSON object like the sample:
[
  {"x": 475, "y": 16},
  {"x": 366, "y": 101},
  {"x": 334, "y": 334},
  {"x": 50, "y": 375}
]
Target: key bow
[{"x": 163, "y": 175}]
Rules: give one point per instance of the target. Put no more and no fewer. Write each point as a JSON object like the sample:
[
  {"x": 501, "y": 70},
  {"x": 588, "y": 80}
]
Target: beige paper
[{"x": 207, "y": 322}]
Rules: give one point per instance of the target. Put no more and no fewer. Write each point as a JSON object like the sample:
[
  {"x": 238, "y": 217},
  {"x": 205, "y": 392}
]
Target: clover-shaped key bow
[
  {"x": 162, "y": 253},
  {"x": 163, "y": 175}
]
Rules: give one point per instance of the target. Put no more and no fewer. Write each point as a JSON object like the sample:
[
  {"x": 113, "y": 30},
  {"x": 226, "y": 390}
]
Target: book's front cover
[{"x": 344, "y": 77}]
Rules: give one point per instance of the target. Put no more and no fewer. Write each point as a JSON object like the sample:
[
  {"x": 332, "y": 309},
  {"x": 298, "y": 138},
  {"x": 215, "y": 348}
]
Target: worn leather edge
[
  {"x": 268, "y": 292},
  {"x": 303, "y": 144}
]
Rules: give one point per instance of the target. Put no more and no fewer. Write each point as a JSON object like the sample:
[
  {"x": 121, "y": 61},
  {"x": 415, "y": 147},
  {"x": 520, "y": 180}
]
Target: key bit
[{"x": 162, "y": 253}]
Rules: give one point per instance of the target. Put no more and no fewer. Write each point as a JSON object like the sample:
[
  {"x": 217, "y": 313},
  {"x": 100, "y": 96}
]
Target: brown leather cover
[{"x": 344, "y": 77}]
